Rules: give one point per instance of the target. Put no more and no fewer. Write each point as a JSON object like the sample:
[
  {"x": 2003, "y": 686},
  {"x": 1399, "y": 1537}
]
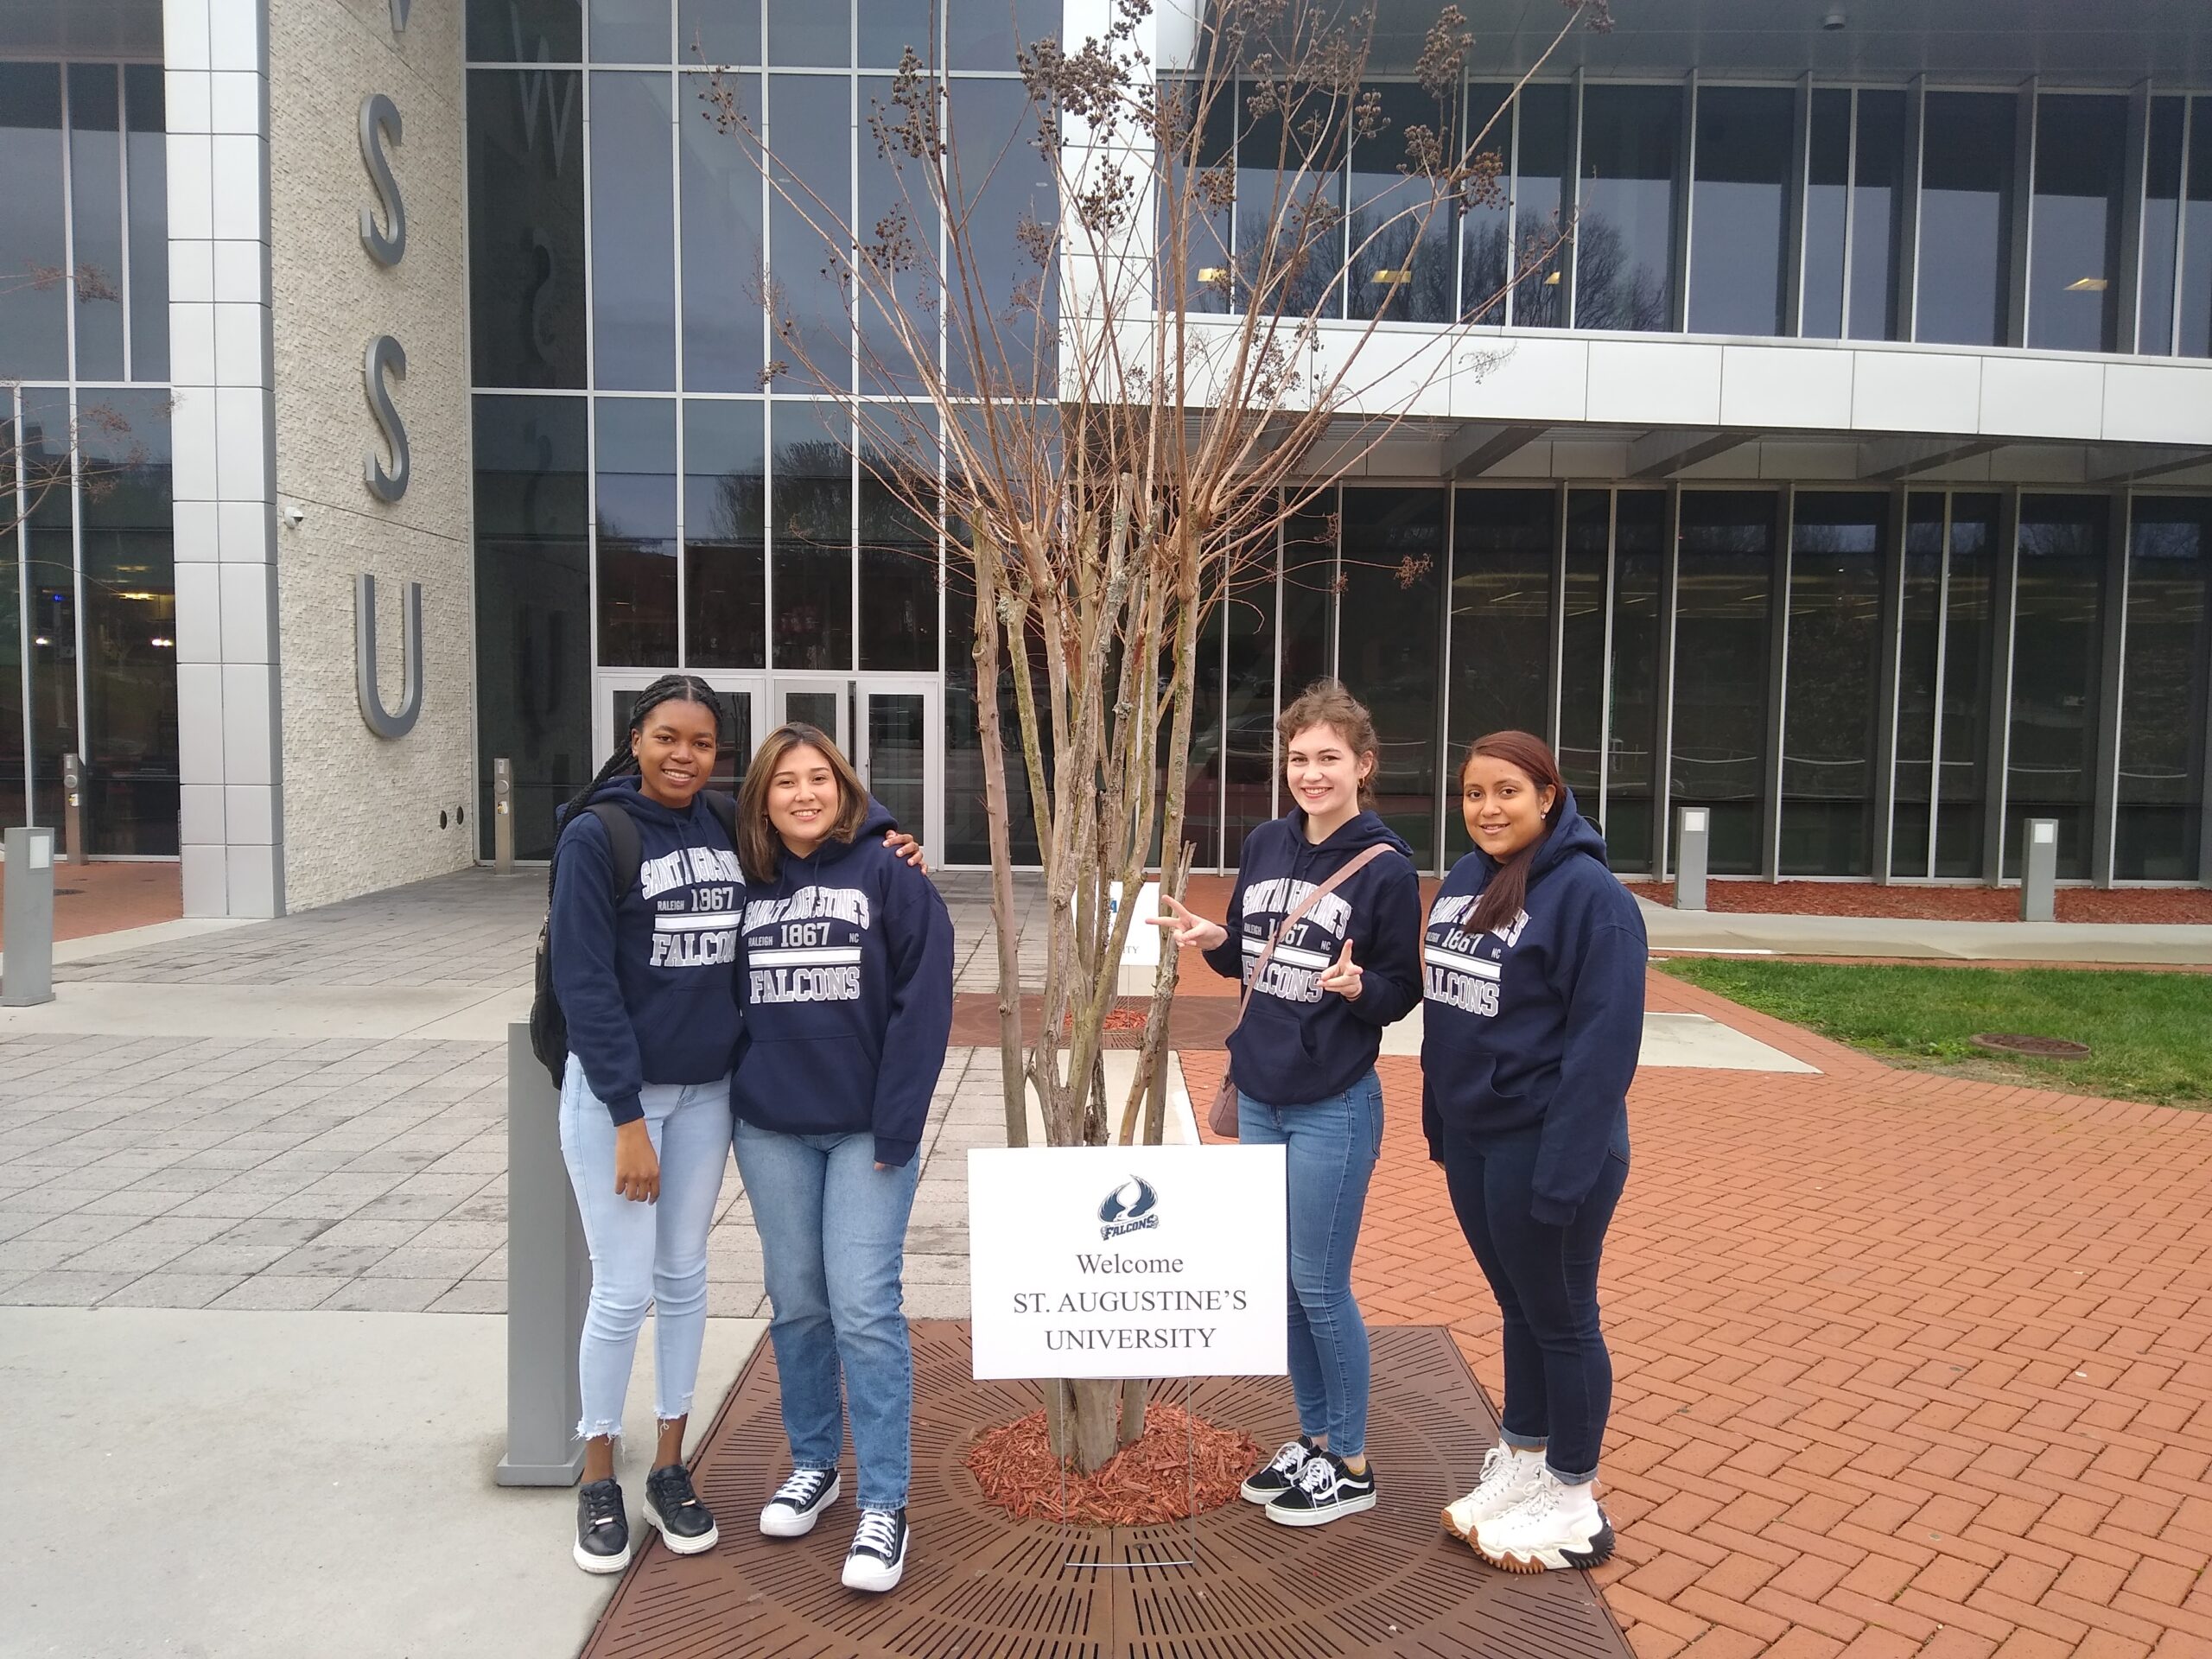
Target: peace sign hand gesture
[
  {"x": 1343, "y": 976},
  {"x": 1189, "y": 929}
]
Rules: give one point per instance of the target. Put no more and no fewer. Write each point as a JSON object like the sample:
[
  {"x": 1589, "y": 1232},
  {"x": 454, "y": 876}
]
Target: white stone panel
[
  {"x": 2158, "y": 402},
  {"x": 236, "y": 168},
  {"x": 1785, "y": 386},
  {"x": 1916, "y": 391},
  {"x": 1525, "y": 377},
  {"x": 199, "y": 612},
  {"x": 1654, "y": 383},
  {"x": 199, "y": 813},
  {"x": 2041, "y": 398},
  {"x": 189, "y": 162}
]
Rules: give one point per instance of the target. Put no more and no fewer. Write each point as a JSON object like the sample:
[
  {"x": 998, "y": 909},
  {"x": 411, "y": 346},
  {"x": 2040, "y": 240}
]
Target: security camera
[
  {"x": 292, "y": 513},
  {"x": 1835, "y": 20}
]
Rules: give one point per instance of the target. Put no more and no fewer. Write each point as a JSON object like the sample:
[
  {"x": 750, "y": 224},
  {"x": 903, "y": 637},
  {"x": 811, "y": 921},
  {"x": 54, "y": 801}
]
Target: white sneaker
[
  {"x": 1509, "y": 1475},
  {"x": 1555, "y": 1525},
  {"x": 878, "y": 1556},
  {"x": 798, "y": 1503}
]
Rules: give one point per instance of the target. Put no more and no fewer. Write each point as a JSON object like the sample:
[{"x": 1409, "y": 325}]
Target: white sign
[
  {"x": 1127, "y": 1261},
  {"x": 1142, "y": 949}
]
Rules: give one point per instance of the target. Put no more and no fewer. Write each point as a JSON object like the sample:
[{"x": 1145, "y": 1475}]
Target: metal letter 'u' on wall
[{"x": 382, "y": 723}]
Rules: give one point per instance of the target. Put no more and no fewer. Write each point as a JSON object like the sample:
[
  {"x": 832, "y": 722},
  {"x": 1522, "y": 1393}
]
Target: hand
[
  {"x": 907, "y": 848},
  {"x": 1187, "y": 928},
  {"x": 637, "y": 1165},
  {"x": 1343, "y": 976}
]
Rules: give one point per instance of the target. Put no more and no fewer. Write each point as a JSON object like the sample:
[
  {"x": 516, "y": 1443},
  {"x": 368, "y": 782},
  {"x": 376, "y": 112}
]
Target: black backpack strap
[
  {"x": 724, "y": 807},
  {"x": 626, "y": 848}
]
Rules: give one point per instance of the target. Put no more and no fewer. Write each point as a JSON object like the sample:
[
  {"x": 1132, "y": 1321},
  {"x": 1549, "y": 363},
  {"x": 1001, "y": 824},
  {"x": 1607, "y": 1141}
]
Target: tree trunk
[{"x": 1004, "y": 924}]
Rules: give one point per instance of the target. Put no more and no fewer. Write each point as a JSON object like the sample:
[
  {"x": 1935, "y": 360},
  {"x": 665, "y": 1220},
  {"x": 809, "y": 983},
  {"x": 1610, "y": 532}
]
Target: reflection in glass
[
  {"x": 811, "y": 134},
  {"x": 1202, "y": 779},
  {"x": 894, "y": 201},
  {"x": 1502, "y": 550},
  {"x": 967, "y": 830},
  {"x": 1005, "y": 181},
  {"x": 898, "y": 738},
  {"x": 1205, "y": 286},
  {"x": 1624, "y": 230},
  {"x": 1720, "y": 760},
  {"x": 1739, "y": 209},
  {"x": 526, "y": 227},
  {"x": 2160, "y": 827},
  {"x": 1543, "y": 167},
  {"x": 636, "y": 532},
  {"x": 1486, "y": 228},
  {"x": 724, "y": 325},
  {"x": 1247, "y": 752},
  {"x": 50, "y": 601},
  {"x": 898, "y": 563},
  {"x": 34, "y": 250},
  {"x": 1880, "y": 201},
  {"x": 1309, "y": 590},
  {"x": 2161, "y": 224},
  {"x": 1827, "y": 185},
  {"x": 986, "y": 34},
  {"x": 11, "y": 642},
  {"x": 146, "y": 139},
  {"x": 2196, "y": 302},
  {"x": 1290, "y": 210},
  {"x": 1582, "y": 647},
  {"x": 1830, "y": 702},
  {"x": 2074, "y": 253},
  {"x": 629, "y": 31},
  {"x": 1920, "y": 655},
  {"x": 525, "y": 31},
  {"x": 811, "y": 526},
  {"x": 96, "y": 222},
  {"x": 803, "y": 33},
  {"x": 1393, "y": 559},
  {"x": 1966, "y": 218},
  {"x": 2056, "y": 648},
  {"x": 725, "y": 542},
  {"x": 1399, "y": 239},
  {"x": 1632, "y": 726},
  {"x": 889, "y": 27},
  {"x": 1969, "y": 648},
  {"x": 718, "y": 32},
  {"x": 632, "y": 230}
]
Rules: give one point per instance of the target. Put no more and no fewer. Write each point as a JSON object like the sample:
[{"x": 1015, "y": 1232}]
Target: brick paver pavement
[
  {"x": 1905, "y": 1364},
  {"x": 100, "y": 898}
]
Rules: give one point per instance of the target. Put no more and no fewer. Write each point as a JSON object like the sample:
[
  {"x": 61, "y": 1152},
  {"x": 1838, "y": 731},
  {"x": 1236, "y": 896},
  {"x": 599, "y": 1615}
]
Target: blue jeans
[
  {"x": 644, "y": 1253},
  {"x": 833, "y": 1247},
  {"x": 1331, "y": 1147},
  {"x": 1558, "y": 1378}
]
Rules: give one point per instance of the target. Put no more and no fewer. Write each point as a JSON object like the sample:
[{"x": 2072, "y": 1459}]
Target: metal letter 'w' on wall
[{"x": 382, "y": 723}]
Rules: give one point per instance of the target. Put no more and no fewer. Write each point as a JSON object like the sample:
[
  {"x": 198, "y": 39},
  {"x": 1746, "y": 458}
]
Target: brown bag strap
[{"x": 1350, "y": 867}]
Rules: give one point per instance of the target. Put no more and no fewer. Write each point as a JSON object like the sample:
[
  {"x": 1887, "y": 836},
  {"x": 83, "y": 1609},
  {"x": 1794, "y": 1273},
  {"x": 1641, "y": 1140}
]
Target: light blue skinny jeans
[
  {"x": 1331, "y": 1147},
  {"x": 645, "y": 1254},
  {"x": 833, "y": 1250}
]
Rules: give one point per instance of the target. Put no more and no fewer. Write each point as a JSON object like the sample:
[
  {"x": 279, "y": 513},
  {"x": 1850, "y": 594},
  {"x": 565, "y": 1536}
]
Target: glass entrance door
[
  {"x": 901, "y": 755},
  {"x": 819, "y": 701},
  {"x": 745, "y": 700}
]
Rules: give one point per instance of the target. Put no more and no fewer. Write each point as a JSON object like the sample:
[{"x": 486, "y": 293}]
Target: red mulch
[
  {"x": 1940, "y": 903},
  {"x": 1144, "y": 1484}
]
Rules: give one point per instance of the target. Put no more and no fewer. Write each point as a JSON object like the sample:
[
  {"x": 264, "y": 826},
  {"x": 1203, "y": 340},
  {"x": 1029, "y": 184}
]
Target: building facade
[{"x": 1847, "y": 472}]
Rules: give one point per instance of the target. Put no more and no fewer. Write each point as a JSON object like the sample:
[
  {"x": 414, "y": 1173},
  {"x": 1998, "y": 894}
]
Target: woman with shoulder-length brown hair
[{"x": 1532, "y": 1018}]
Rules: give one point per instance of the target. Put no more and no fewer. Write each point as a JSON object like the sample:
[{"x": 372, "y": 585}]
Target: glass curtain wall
[
  {"x": 1739, "y": 210},
  {"x": 1624, "y": 258},
  {"x": 2057, "y": 645},
  {"x": 1724, "y": 589},
  {"x": 1504, "y": 545},
  {"x": 1943, "y": 671},
  {"x": 1831, "y": 693},
  {"x": 1389, "y": 610},
  {"x": 1966, "y": 218},
  {"x": 2073, "y": 250},
  {"x": 2160, "y": 827}
]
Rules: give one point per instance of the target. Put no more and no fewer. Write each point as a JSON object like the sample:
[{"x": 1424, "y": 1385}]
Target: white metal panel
[
  {"x": 1916, "y": 391},
  {"x": 2041, "y": 397},
  {"x": 1655, "y": 382},
  {"x": 1785, "y": 386}
]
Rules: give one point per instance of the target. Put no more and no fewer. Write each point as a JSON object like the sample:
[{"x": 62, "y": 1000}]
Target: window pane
[
  {"x": 1835, "y": 655},
  {"x": 899, "y": 327},
  {"x": 1202, "y": 779},
  {"x": 131, "y": 786},
  {"x": 2054, "y": 662},
  {"x": 1582, "y": 646},
  {"x": 1725, "y": 575},
  {"x": 1485, "y": 229},
  {"x": 2161, "y": 225},
  {"x": 723, "y": 324},
  {"x": 2073, "y": 259},
  {"x": 146, "y": 138},
  {"x": 1639, "y": 545},
  {"x": 1827, "y": 184},
  {"x": 1965, "y": 217},
  {"x": 2197, "y": 236},
  {"x": 526, "y": 227},
  {"x": 1401, "y": 232},
  {"x": 1969, "y": 630},
  {"x": 1502, "y": 548},
  {"x": 1739, "y": 209},
  {"x": 636, "y": 532},
  {"x": 1880, "y": 200},
  {"x": 1392, "y": 593},
  {"x": 889, "y": 27},
  {"x": 1290, "y": 212},
  {"x": 525, "y": 31},
  {"x": 34, "y": 250},
  {"x": 1920, "y": 651},
  {"x": 967, "y": 831},
  {"x": 1542, "y": 168},
  {"x": 725, "y": 543},
  {"x": 1625, "y": 233},
  {"x": 812, "y": 590},
  {"x": 96, "y": 201},
  {"x": 1004, "y": 180},
  {"x": 629, "y": 31},
  {"x": 898, "y": 557},
  {"x": 632, "y": 232},
  {"x": 1309, "y": 588},
  {"x": 2162, "y": 697},
  {"x": 1248, "y": 705},
  {"x": 1205, "y": 284},
  {"x": 718, "y": 32},
  {"x": 50, "y": 599},
  {"x": 809, "y": 33},
  {"x": 811, "y": 133},
  {"x": 984, "y": 34},
  {"x": 11, "y": 643}
]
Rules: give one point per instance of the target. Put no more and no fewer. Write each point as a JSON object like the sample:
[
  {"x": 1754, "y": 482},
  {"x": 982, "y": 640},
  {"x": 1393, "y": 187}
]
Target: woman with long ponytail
[{"x": 1532, "y": 1019}]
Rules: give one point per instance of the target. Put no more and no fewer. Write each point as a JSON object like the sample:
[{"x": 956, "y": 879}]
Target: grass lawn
[{"x": 2150, "y": 1034}]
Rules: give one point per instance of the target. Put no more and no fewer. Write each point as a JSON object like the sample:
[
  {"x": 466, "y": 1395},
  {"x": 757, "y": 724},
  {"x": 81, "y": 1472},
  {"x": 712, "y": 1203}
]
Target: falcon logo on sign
[{"x": 1128, "y": 1209}]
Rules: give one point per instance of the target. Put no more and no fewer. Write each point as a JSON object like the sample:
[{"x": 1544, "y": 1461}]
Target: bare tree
[{"x": 1120, "y": 402}]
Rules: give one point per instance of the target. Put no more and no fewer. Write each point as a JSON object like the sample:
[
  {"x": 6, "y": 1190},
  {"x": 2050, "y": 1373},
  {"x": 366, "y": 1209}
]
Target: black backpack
[{"x": 549, "y": 1026}]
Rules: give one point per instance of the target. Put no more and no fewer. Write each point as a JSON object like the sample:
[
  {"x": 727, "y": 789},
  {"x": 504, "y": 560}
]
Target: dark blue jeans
[{"x": 1558, "y": 1378}]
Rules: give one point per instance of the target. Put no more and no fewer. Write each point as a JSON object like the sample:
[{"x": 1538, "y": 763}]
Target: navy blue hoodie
[
  {"x": 653, "y": 975},
  {"x": 847, "y": 984},
  {"x": 1298, "y": 1044},
  {"x": 1539, "y": 1021}
]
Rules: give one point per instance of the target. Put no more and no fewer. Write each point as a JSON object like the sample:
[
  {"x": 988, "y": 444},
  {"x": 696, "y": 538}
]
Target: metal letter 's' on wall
[
  {"x": 381, "y": 124},
  {"x": 382, "y": 723},
  {"x": 382, "y": 357}
]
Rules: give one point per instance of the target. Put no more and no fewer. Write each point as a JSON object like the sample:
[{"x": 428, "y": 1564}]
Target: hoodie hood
[{"x": 628, "y": 791}]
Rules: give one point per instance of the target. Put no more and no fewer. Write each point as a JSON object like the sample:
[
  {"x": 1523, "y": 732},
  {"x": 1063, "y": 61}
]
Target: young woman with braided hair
[{"x": 643, "y": 965}]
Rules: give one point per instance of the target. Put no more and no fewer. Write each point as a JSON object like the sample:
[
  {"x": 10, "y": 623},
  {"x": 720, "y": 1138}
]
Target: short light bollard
[
  {"x": 2039, "y": 872},
  {"x": 27, "y": 959},
  {"x": 73, "y": 810},
  {"x": 502, "y": 817},
  {"x": 1691, "y": 829},
  {"x": 549, "y": 1281}
]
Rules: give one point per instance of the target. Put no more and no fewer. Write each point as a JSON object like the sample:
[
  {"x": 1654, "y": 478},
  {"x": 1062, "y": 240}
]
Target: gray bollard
[
  {"x": 26, "y": 959},
  {"x": 549, "y": 1281},
  {"x": 502, "y": 817},
  {"x": 1692, "y": 828},
  {"x": 2039, "y": 871}
]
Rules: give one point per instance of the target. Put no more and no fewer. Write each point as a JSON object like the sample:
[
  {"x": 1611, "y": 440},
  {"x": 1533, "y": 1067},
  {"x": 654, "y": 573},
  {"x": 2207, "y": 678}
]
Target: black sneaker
[
  {"x": 603, "y": 1529},
  {"x": 798, "y": 1503},
  {"x": 687, "y": 1526},
  {"x": 878, "y": 1556},
  {"x": 1280, "y": 1474},
  {"x": 1326, "y": 1492}
]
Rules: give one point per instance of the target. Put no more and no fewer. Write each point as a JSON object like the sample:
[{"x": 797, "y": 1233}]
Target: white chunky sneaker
[
  {"x": 1509, "y": 1475},
  {"x": 1555, "y": 1525},
  {"x": 798, "y": 1503},
  {"x": 878, "y": 1556}
]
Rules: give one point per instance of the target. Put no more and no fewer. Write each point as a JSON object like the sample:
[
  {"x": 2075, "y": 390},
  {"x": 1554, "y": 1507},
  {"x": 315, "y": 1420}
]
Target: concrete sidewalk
[{"x": 1748, "y": 933}]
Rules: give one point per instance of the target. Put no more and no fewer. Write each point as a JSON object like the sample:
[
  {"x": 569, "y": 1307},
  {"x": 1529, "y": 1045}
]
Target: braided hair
[{"x": 670, "y": 688}]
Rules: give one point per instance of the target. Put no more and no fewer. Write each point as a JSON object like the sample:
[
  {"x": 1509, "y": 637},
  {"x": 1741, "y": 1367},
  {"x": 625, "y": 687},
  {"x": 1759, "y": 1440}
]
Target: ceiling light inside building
[
  {"x": 1391, "y": 278},
  {"x": 2089, "y": 285},
  {"x": 1552, "y": 281},
  {"x": 1212, "y": 273}
]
